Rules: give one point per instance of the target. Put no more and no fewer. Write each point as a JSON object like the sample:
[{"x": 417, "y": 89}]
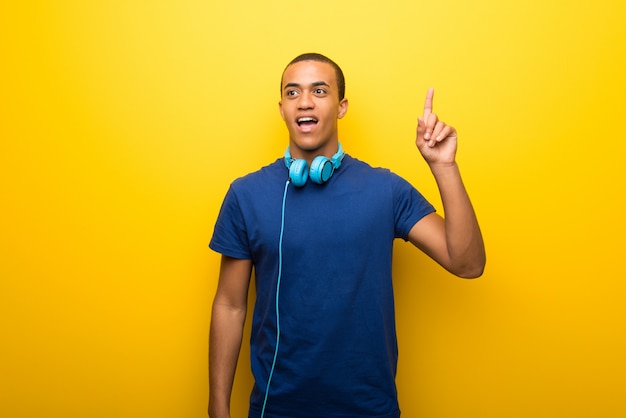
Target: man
[{"x": 317, "y": 226}]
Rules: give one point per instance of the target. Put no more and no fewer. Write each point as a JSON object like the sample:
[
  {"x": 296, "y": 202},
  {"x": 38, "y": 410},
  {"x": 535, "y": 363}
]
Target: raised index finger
[{"x": 428, "y": 104}]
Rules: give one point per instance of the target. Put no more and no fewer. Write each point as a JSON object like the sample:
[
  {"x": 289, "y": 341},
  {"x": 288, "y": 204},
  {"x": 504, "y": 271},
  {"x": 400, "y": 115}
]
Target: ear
[
  {"x": 280, "y": 109},
  {"x": 343, "y": 108}
]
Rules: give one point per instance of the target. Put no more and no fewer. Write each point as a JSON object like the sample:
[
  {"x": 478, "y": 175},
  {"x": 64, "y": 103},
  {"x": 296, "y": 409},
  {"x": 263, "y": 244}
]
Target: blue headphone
[{"x": 321, "y": 168}]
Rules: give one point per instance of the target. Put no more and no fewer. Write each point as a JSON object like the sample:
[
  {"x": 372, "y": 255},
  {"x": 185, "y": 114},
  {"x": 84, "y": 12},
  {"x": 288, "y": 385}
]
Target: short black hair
[{"x": 313, "y": 56}]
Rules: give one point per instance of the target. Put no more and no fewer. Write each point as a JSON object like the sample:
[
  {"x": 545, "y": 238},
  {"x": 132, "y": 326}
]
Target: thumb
[
  {"x": 421, "y": 141},
  {"x": 421, "y": 127}
]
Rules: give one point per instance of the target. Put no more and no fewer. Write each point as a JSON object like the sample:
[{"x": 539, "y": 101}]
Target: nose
[{"x": 306, "y": 101}]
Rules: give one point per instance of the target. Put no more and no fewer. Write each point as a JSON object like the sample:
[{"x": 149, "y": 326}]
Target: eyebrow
[{"x": 315, "y": 84}]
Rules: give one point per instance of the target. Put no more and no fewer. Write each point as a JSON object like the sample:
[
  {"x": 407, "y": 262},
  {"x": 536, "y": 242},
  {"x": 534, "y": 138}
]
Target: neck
[
  {"x": 327, "y": 150},
  {"x": 309, "y": 155}
]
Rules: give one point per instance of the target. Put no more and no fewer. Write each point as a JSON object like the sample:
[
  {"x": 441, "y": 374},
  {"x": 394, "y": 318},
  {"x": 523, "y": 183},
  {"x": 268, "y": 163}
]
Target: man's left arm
[{"x": 454, "y": 241}]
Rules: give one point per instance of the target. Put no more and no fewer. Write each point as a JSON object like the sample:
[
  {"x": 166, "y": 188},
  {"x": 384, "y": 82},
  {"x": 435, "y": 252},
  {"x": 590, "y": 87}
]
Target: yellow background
[{"x": 122, "y": 124}]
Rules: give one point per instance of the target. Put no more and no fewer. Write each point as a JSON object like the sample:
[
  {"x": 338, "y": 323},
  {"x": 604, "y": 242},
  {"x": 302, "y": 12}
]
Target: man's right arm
[{"x": 227, "y": 320}]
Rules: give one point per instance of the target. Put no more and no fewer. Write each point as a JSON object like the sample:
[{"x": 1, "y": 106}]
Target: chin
[{"x": 308, "y": 144}]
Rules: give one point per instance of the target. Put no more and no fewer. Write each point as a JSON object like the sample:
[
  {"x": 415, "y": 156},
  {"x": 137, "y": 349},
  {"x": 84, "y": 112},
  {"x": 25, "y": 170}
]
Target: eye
[
  {"x": 291, "y": 93},
  {"x": 319, "y": 91}
]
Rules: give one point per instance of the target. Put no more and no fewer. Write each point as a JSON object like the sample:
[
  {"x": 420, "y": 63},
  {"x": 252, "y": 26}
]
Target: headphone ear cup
[
  {"x": 321, "y": 169},
  {"x": 298, "y": 172}
]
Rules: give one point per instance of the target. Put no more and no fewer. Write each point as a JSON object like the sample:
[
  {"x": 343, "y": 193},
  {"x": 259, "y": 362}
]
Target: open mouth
[{"x": 306, "y": 122}]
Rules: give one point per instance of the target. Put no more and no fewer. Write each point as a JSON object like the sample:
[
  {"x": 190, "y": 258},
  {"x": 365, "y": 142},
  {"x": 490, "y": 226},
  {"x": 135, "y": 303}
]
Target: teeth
[{"x": 302, "y": 120}]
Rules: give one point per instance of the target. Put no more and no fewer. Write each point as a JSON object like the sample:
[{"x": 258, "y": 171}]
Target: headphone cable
[{"x": 280, "y": 271}]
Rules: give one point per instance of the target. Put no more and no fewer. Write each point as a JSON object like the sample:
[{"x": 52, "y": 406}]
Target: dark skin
[{"x": 455, "y": 242}]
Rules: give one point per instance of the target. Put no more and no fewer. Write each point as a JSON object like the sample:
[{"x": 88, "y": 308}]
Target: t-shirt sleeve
[
  {"x": 409, "y": 206},
  {"x": 230, "y": 236}
]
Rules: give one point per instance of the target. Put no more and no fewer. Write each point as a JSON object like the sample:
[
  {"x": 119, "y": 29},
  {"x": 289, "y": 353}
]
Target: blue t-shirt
[{"x": 337, "y": 354}]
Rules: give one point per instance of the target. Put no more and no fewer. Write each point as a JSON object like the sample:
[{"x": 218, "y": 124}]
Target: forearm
[
  {"x": 463, "y": 237},
  {"x": 224, "y": 345}
]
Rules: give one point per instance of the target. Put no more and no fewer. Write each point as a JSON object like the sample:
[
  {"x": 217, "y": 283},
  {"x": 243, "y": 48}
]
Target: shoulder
[
  {"x": 359, "y": 167},
  {"x": 364, "y": 171},
  {"x": 275, "y": 171}
]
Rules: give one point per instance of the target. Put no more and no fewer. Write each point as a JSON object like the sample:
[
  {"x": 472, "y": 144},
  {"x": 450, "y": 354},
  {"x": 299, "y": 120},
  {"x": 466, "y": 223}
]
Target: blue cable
[{"x": 280, "y": 271}]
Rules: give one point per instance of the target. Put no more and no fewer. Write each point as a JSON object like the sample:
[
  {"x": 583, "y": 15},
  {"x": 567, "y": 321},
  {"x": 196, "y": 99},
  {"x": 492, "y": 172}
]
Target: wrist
[
  {"x": 220, "y": 414},
  {"x": 218, "y": 410},
  {"x": 443, "y": 168}
]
